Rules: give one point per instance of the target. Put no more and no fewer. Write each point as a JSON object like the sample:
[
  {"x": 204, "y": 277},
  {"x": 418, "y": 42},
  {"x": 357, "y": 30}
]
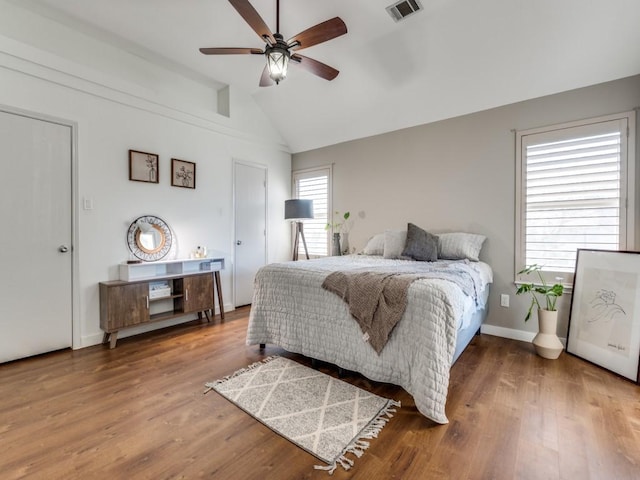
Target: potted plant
[
  {"x": 544, "y": 297},
  {"x": 337, "y": 227}
]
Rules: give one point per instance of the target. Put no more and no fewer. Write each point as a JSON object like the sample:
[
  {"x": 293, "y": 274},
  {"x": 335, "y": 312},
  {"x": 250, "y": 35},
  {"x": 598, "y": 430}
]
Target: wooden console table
[{"x": 155, "y": 291}]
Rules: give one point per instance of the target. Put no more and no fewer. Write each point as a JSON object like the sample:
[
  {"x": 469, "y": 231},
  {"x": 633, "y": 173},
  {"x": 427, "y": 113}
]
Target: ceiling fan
[{"x": 279, "y": 52}]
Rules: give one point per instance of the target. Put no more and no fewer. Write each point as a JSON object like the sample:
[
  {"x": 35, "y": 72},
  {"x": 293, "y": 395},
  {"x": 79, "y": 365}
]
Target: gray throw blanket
[{"x": 376, "y": 300}]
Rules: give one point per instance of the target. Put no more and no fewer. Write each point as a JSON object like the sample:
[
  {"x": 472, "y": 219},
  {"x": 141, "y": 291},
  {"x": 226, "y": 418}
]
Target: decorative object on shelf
[
  {"x": 546, "y": 342},
  {"x": 183, "y": 173},
  {"x": 149, "y": 238},
  {"x": 143, "y": 167},
  {"x": 298, "y": 209},
  {"x": 604, "y": 321},
  {"x": 159, "y": 290},
  {"x": 200, "y": 252}
]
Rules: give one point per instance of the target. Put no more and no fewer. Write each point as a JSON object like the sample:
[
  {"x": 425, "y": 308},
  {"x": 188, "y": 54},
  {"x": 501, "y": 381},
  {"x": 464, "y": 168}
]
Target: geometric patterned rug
[{"x": 321, "y": 414}]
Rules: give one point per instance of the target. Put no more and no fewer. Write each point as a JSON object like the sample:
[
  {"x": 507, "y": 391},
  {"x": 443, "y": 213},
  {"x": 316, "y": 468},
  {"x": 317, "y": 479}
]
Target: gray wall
[{"x": 458, "y": 175}]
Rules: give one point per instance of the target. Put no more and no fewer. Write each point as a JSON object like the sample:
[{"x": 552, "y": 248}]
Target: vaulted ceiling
[{"x": 452, "y": 58}]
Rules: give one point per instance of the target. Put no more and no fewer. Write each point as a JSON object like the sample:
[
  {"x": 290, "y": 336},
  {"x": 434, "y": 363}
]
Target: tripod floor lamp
[{"x": 298, "y": 209}]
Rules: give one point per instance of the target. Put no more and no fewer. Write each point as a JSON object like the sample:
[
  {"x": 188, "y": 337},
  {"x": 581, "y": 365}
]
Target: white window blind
[
  {"x": 314, "y": 185},
  {"x": 573, "y": 193}
]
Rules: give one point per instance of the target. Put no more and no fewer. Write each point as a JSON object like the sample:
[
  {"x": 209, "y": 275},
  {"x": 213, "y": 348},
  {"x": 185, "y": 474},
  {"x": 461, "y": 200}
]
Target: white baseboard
[
  {"x": 512, "y": 333},
  {"x": 90, "y": 340}
]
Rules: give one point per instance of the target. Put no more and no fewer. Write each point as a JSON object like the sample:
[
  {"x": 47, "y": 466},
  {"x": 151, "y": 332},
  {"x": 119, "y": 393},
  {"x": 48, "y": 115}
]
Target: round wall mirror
[{"x": 149, "y": 238}]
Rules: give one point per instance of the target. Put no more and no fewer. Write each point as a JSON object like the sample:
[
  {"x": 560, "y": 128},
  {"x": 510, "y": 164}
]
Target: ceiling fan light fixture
[
  {"x": 278, "y": 51},
  {"x": 277, "y": 58},
  {"x": 277, "y": 63}
]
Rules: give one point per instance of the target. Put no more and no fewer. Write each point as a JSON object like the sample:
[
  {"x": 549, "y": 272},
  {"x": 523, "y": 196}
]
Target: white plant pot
[{"x": 546, "y": 342}]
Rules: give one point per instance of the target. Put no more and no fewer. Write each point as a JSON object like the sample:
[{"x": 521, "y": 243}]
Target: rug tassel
[
  {"x": 344, "y": 462},
  {"x": 327, "y": 468},
  {"x": 359, "y": 445},
  {"x": 358, "y": 448},
  {"x": 211, "y": 385}
]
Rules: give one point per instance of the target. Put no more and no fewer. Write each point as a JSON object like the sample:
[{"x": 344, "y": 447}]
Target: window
[
  {"x": 574, "y": 189},
  {"x": 314, "y": 184}
]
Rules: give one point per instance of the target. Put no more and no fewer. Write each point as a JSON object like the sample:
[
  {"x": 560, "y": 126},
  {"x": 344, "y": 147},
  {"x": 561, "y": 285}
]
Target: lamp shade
[{"x": 298, "y": 208}]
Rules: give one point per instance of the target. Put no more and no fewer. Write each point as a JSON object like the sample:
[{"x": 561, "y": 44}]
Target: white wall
[
  {"x": 458, "y": 175},
  {"x": 138, "y": 107}
]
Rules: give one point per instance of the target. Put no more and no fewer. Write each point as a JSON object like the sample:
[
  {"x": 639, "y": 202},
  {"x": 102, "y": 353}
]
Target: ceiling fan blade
[
  {"x": 231, "y": 51},
  {"x": 253, "y": 18},
  {"x": 314, "y": 66},
  {"x": 319, "y": 33},
  {"x": 265, "y": 79}
]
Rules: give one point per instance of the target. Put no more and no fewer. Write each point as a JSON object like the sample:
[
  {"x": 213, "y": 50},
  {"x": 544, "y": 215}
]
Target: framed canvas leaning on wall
[{"x": 604, "y": 321}]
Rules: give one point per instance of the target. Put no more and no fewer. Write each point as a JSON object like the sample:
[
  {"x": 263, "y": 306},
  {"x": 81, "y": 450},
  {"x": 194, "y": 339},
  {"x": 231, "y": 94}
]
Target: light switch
[{"x": 504, "y": 300}]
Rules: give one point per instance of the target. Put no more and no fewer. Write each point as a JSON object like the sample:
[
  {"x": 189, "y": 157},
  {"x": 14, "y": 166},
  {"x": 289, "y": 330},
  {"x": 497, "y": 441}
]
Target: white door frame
[
  {"x": 266, "y": 214},
  {"x": 76, "y": 337}
]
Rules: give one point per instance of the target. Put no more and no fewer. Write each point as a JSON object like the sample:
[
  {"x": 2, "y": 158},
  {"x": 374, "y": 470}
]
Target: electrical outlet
[{"x": 504, "y": 300}]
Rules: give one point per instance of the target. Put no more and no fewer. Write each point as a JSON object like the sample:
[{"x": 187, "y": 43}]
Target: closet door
[
  {"x": 36, "y": 253},
  {"x": 250, "y": 200}
]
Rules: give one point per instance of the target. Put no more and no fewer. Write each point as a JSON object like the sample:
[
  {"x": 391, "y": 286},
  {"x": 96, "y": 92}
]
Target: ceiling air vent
[{"x": 401, "y": 10}]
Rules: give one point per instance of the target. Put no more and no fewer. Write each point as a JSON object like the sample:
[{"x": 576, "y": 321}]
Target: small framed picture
[
  {"x": 183, "y": 173},
  {"x": 143, "y": 167},
  {"x": 604, "y": 325}
]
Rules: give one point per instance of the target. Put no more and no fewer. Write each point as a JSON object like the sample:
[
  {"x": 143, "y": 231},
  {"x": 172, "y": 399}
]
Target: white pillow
[
  {"x": 375, "y": 245},
  {"x": 394, "y": 241},
  {"x": 458, "y": 246}
]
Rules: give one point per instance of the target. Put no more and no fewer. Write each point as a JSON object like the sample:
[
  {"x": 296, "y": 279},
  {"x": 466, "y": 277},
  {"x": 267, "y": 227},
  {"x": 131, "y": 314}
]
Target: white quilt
[{"x": 292, "y": 310}]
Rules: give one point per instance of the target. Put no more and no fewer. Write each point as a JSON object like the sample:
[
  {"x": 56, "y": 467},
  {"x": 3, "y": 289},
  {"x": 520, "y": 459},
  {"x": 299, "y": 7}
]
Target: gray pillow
[{"x": 421, "y": 245}]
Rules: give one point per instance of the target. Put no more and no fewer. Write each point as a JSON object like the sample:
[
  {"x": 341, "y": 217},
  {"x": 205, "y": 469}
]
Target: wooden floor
[{"x": 139, "y": 411}]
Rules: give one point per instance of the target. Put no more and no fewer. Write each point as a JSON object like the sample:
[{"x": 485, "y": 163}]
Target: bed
[
  {"x": 444, "y": 310},
  {"x": 290, "y": 309}
]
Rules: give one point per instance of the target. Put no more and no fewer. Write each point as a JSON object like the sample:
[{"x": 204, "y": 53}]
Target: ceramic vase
[
  {"x": 335, "y": 249},
  {"x": 344, "y": 243},
  {"x": 546, "y": 342}
]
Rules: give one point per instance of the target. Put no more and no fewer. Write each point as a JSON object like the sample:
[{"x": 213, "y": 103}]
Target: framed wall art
[
  {"x": 143, "y": 167},
  {"x": 183, "y": 173},
  {"x": 604, "y": 322}
]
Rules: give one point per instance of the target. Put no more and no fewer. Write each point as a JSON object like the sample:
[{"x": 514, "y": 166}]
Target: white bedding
[{"x": 290, "y": 309}]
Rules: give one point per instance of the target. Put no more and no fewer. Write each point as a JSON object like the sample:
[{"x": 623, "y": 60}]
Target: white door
[
  {"x": 250, "y": 191},
  {"x": 35, "y": 257}
]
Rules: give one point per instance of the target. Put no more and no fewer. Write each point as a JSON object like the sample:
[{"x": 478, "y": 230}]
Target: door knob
[
  {"x": 238, "y": 242},
  {"x": 63, "y": 249}
]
